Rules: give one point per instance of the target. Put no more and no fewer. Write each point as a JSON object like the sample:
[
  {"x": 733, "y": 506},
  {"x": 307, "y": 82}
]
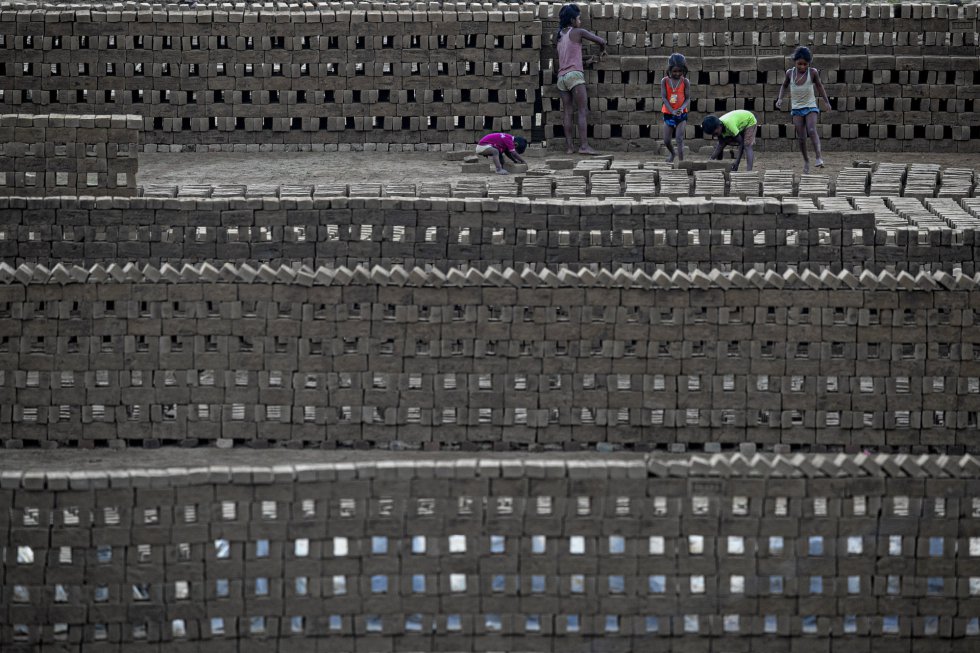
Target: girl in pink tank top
[
  {"x": 571, "y": 76},
  {"x": 569, "y": 55}
]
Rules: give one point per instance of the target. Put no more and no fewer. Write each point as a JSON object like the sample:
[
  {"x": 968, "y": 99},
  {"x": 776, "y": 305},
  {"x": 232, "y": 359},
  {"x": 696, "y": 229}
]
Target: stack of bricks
[
  {"x": 660, "y": 234},
  {"x": 50, "y": 155},
  {"x": 287, "y": 76},
  {"x": 896, "y": 74},
  {"x": 707, "y": 553},
  {"x": 397, "y": 75},
  {"x": 525, "y": 360},
  {"x": 640, "y": 184}
]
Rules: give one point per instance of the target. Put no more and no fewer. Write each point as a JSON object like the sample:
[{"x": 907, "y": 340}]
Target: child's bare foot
[
  {"x": 819, "y": 163},
  {"x": 585, "y": 149},
  {"x": 502, "y": 172},
  {"x": 570, "y": 150},
  {"x": 670, "y": 158},
  {"x": 806, "y": 167}
]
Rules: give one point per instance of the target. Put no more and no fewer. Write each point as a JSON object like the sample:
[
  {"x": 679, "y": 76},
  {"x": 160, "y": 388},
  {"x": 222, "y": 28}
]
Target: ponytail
[{"x": 566, "y": 16}]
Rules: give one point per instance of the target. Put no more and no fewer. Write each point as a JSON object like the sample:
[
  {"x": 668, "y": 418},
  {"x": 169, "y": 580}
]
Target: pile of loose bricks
[
  {"x": 406, "y": 75},
  {"x": 44, "y": 155},
  {"x": 531, "y": 376}
]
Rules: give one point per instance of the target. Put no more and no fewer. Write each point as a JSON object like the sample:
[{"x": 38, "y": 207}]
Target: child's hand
[{"x": 779, "y": 105}]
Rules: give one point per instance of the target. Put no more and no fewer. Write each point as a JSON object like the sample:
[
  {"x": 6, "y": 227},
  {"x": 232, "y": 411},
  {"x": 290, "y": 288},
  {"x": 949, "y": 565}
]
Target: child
[
  {"x": 804, "y": 83},
  {"x": 737, "y": 126},
  {"x": 674, "y": 89},
  {"x": 497, "y": 145},
  {"x": 571, "y": 75}
]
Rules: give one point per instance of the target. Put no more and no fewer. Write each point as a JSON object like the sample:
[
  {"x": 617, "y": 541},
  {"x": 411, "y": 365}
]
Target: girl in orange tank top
[{"x": 675, "y": 93}]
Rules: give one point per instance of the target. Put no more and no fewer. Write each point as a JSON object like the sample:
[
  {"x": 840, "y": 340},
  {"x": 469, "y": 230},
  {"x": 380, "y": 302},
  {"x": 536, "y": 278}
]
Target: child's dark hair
[
  {"x": 520, "y": 144},
  {"x": 710, "y": 125},
  {"x": 803, "y": 53},
  {"x": 566, "y": 16},
  {"x": 677, "y": 60}
]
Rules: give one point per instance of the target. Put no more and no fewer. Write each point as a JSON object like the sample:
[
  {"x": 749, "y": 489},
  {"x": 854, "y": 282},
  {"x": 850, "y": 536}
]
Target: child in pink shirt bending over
[
  {"x": 571, "y": 75},
  {"x": 497, "y": 145}
]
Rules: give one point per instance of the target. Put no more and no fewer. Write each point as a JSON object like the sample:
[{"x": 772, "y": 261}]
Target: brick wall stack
[
  {"x": 399, "y": 75},
  {"x": 513, "y": 360},
  {"x": 324, "y": 75},
  {"x": 50, "y": 154},
  {"x": 898, "y": 74},
  {"x": 655, "y": 234},
  {"x": 701, "y": 553}
]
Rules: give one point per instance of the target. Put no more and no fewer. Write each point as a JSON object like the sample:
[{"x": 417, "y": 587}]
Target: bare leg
[
  {"x": 811, "y": 130},
  {"x": 493, "y": 156},
  {"x": 567, "y": 111},
  {"x": 668, "y": 136},
  {"x": 799, "y": 122},
  {"x": 499, "y": 162},
  {"x": 679, "y": 135},
  {"x": 582, "y": 107},
  {"x": 749, "y": 157}
]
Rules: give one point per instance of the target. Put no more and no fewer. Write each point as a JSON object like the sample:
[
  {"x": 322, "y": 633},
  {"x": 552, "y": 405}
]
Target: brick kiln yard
[
  {"x": 727, "y": 426},
  {"x": 314, "y": 168}
]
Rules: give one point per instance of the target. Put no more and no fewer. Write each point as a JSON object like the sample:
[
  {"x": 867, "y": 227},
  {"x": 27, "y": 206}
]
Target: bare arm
[
  {"x": 515, "y": 157},
  {"x": 687, "y": 97},
  {"x": 663, "y": 92},
  {"x": 819, "y": 87},
  {"x": 589, "y": 36},
  {"x": 741, "y": 149},
  {"x": 719, "y": 149},
  {"x": 782, "y": 89}
]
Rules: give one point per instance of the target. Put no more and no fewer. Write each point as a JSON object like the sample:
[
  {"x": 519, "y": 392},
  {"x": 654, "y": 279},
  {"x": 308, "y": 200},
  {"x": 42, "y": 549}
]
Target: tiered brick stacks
[
  {"x": 390, "y": 74},
  {"x": 897, "y": 74},
  {"x": 506, "y": 359},
  {"x": 45, "y": 155},
  {"x": 692, "y": 553}
]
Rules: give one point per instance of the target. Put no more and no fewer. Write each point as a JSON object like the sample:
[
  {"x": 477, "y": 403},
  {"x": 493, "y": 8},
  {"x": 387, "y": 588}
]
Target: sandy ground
[{"x": 416, "y": 167}]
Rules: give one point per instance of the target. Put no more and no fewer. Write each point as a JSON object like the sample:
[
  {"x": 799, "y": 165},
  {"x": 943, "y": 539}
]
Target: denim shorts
[
  {"x": 673, "y": 121},
  {"x": 804, "y": 111}
]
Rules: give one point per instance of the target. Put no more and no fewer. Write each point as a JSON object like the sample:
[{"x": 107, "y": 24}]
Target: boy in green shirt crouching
[{"x": 735, "y": 127}]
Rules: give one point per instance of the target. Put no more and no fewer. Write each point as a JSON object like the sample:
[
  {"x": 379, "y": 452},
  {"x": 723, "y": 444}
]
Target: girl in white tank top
[{"x": 803, "y": 82}]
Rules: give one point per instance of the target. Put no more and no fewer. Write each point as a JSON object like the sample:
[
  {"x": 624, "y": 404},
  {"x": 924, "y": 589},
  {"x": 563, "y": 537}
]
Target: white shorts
[{"x": 484, "y": 149}]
